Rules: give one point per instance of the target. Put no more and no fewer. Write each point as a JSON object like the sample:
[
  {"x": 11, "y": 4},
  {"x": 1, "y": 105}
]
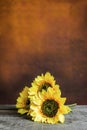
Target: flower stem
[{"x": 72, "y": 105}]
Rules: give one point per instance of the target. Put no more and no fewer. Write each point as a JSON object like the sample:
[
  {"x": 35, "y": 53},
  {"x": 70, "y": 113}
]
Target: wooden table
[{"x": 10, "y": 120}]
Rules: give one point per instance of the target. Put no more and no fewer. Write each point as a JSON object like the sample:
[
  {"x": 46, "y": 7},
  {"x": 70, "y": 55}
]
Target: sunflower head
[
  {"x": 23, "y": 102},
  {"x": 48, "y": 106},
  {"x": 42, "y": 82}
]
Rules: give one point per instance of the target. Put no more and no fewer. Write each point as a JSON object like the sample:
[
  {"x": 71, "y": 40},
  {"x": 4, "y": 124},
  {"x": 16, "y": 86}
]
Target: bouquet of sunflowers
[{"x": 42, "y": 100}]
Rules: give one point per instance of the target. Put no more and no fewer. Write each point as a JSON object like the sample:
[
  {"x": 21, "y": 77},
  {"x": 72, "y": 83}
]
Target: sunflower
[
  {"x": 42, "y": 82},
  {"x": 48, "y": 107},
  {"x": 23, "y": 102}
]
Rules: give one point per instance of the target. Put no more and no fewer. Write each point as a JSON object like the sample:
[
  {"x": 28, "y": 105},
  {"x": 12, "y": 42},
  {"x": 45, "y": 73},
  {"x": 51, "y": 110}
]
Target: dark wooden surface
[
  {"x": 76, "y": 120},
  {"x": 39, "y": 36}
]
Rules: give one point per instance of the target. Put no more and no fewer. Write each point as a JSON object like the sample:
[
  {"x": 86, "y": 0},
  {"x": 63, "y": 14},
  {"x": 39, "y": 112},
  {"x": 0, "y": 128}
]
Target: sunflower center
[
  {"x": 28, "y": 104},
  {"x": 50, "y": 108},
  {"x": 45, "y": 86}
]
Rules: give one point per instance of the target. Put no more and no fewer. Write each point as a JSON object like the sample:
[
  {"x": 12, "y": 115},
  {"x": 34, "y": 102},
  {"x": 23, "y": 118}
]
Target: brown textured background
[{"x": 38, "y": 36}]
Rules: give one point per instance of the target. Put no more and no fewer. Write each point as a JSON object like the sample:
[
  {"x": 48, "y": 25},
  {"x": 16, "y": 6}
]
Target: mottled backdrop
[{"x": 43, "y": 35}]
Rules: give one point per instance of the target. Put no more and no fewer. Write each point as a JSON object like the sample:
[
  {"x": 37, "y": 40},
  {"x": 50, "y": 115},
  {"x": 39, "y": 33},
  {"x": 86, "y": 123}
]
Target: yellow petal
[
  {"x": 61, "y": 118},
  {"x": 22, "y": 111},
  {"x": 62, "y": 101},
  {"x": 64, "y": 109}
]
